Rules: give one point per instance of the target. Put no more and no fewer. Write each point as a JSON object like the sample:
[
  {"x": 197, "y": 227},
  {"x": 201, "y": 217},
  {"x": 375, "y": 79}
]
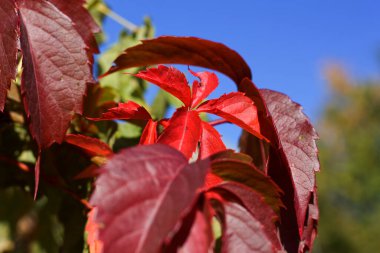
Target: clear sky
[{"x": 287, "y": 43}]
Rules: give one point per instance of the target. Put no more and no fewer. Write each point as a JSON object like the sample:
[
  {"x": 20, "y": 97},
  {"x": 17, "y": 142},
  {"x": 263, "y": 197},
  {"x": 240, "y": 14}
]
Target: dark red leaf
[
  {"x": 83, "y": 22},
  {"x": 92, "y": 145},
  {"x": 170, "y": 79},
  {"x": 236, "y": 108},
  {"x": 128, "y": 110},
  {"x": 211, "y": 142},
  {"x": 200, "y": 237},
  {"x": 92, "y": 170},
  {"x": 245, "y": 173},
  {"x": 297, "y": 140},
  {"x": 8, "y": 47},
  {"x": 149, "y": 135},
  {"x": 310, "y": 231},
  {"x": 152, "y": 182},
  {"x": 183, "y": 132},
  {"x": 244, "y": 232},
  {"x": 201, "y": 90},
  {"x": 184, "y": 50},
  {"x": 255, "y": 204},
  {"x": 56, "y": 70}
]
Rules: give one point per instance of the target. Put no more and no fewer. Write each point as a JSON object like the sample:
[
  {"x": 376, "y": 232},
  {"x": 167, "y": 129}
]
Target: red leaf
[
  {"x": 56, "y": 70},
  {"x": 184, "y": 50},
  {"x": 149, "y": 135},
  {"x": 200, "y": 237},
  {"x": 244, "y": 232},
  {"x": 201, "y": 90},
  {"x": 92, "y": 229},
  {"x": 297, "y": 140},
  {"x": 236, "y": 108},
  {"x": 230, "y": 169},
  {"x": 211, "y": 142},
  {"x": 84, "y": 23},
  {"x": 183, "y": 132},
  {"x": 8, "y": 47},
  {"x": 170, "y": 79},
  {"x": 128, "y": 110},
  {"x": 92, "y": 145},
  {"x": 92, "y": 170},
  {"x": 255, "y": 204},
  {"x": 144, "y": 182}
]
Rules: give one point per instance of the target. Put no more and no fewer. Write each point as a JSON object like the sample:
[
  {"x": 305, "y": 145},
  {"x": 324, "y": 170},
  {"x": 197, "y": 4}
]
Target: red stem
[{"x": 218, "y": 122}]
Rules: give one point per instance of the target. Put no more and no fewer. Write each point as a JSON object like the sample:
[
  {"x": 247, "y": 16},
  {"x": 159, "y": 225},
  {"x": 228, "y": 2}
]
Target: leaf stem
[{"x": 218, "y": 122}]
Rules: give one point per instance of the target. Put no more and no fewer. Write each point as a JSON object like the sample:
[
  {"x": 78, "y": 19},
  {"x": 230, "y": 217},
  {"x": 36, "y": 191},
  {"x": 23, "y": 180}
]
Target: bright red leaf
[
  {"x": 8, "y": 47},
  {"x": 91, "y": 145},
  {"x": 149, "y": 135},
  {"x": 169, "y": 79},
  {"x": 183, "y": 132},
  {"x": 128, "y": 110},
  {"x": 144, "y": 182},
  {"x": 201, "y": 90},
  {"x": 211, "y": 142},
  {"x": 236, "y": 108}
]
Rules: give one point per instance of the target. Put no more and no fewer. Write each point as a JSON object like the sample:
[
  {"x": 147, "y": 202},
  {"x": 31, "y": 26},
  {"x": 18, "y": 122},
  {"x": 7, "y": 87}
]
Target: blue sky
[{"x": 287, "y": 43}]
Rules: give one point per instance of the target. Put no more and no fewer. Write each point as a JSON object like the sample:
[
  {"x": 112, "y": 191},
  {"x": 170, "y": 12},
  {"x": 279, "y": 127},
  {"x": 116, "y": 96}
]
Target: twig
[{"x": 122, "y": 21}]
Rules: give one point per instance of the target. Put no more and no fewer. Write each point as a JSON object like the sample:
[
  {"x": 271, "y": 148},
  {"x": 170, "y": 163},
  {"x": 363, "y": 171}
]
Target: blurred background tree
[{"x": 349, "y": 184}]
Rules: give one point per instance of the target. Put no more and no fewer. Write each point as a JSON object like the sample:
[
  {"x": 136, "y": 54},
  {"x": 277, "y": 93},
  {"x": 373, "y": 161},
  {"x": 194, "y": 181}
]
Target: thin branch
[{"x": 119, "y": 19}]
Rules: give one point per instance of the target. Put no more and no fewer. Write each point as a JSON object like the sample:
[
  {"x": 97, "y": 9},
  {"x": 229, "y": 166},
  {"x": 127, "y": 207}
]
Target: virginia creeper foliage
[{"x": 177, "y": 188}]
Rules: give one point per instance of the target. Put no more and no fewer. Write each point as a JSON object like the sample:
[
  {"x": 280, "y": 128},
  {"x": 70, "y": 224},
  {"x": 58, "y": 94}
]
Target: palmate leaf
[
  {"x": 183, "y": 131},
  {"x": 8, "y": 47},
  {"x": 144, "y": 182},
  {"x": 208, "y": 54}
]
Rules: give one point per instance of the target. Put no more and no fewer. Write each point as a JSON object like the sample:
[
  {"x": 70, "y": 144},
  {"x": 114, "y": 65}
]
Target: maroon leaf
[
  {"x": 211, "y": 142},
  {"x": 56, "y": 70},
  {"x": 184, "y": 50},
  {"x": 255, "y": 204},
  {"x": 236, "y": 108},
  {"x": 170, "y": 79},
  {"x": 200, "y": 237},
  {"x": 8, "y": 47},
  {"x": 297, "y": 139},
  {"x": 144, "y": 182},
  {"x": 183, "y": 132},
  {"x": 310, "y": 231},
  {"x": 149, "y": 135},
  {"x": 244, "y": 232},
  {"x": 128, "y": 110},
  {"x": 201, "y": 90},
  {"x": 245, "y": 173},
  {"x": 83, "y": 22},
  {"x": 92, "y": 145}
]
